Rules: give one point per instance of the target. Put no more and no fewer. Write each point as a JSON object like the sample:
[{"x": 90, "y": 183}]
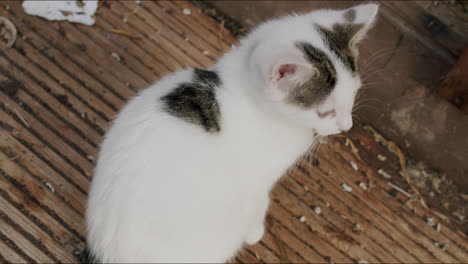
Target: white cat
[{"x": 185, "y": 172}]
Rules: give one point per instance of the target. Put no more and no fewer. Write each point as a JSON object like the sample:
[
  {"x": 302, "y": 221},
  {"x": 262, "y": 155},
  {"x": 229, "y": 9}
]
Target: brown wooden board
[{"x": 70, "y": 80}]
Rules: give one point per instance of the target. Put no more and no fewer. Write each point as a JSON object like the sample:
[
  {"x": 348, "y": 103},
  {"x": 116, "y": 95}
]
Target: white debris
[
  {"x": 302, "y": 219},
  {"x": 430, "y": 221},
  {"x": 317, "y": 210},
  {"x": 206, "y": 52},
  {"x": 438, "y": 227},
  {"x": 400, "y": 190},
  {"x": 381, "y": 157},
  {"x": 90, "y": 158},
  {"x": 116, "y": 56},
  {"x": 354, "y": 165},
  {"x": 125, "y": 20},
  {"x": 306, "y": 188},
  {"x": 187, "y": 11},
  {"x": 346, "y": 188},
  {"x": 363, "y": 186},
  {"x": 72, "y": 10},
  {"x": 7, "y": 32},
  {"x": 362, "y": 261},
  {"x": 384, "y": 174},
  {"x": 51, "y": 188},
  {"x": 444, "y": 247}
]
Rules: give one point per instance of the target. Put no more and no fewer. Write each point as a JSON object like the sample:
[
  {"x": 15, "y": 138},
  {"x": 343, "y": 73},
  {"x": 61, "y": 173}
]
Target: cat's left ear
[{"x": 361, "y": 18}]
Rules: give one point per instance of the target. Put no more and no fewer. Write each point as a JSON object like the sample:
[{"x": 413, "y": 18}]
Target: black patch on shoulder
[
  {"x": 339, "y": 41},
  {"x": 318, "y": 87},
  {"x": 195, "y": 102}
]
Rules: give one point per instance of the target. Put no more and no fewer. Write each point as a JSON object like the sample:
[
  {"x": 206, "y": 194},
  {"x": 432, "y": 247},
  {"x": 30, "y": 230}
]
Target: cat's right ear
[{"x": 288, "y": 72}]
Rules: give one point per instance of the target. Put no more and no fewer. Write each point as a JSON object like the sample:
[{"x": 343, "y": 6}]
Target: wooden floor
[{"x": 62, "y": 83}]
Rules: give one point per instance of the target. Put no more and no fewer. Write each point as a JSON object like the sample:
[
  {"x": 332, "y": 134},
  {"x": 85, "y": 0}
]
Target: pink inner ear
[{"x": 286, "y": 69}]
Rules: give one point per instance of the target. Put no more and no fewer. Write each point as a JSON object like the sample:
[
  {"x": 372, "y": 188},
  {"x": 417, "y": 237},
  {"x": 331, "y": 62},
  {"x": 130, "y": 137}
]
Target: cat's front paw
[{"x": 255, "y": 235}]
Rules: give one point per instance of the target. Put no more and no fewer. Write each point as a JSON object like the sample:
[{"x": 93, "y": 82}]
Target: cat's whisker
[
  {"x": 374, "y": 57},
  {"x": 388, "y": 51},
  {"x": 371, "y": 74}
]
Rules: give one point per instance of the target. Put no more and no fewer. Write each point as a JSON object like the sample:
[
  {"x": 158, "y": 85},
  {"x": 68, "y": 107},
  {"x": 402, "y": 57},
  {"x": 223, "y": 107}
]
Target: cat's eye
[{"x": 330, "y": 113}]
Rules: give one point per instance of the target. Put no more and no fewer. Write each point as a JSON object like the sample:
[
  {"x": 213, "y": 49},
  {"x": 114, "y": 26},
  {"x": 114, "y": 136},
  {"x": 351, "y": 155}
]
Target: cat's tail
[{"x": 87, "y": 257}]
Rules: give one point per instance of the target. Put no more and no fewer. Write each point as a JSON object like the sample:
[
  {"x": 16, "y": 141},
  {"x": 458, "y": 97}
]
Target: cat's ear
[
  {"x": 290, "y": 71},
  {"x": 362, "y": 18}
]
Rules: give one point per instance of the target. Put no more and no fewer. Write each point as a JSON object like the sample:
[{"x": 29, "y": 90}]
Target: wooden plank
[
  {"x": 210, "y": 24},
  {"x": 40, "y": 90},
  {"x": 21, "y": 98},
  {"x": 37, "y": 189},
  {"x": 307, "y": 234},
  {"x": 421, "y": 14},
  {"x": 35, "y": 232},
  {"x": 58, "y": 41},
  {"x": 214, "y": 42},
  {"x": 153, "y": 41},
  {"x": 344, "y": 220},
  {"x": 14, "y": 237},
  {"x": 460, "y": 246},
  {"x": 8, "y": 255},
  {"x": 47, "y": 221},
  {"x": 67, "y": 172},
  {"x": 381, "y": 206},
  {"x": 287, "y": 246},
  {"x": 168, "y": 32}
]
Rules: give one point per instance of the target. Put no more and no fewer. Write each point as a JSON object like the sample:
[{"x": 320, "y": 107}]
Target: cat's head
[{"x": 309, "y": 63}]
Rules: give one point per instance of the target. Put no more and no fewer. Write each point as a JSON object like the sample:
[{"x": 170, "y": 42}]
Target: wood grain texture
[{"x": 70, "y": 80}]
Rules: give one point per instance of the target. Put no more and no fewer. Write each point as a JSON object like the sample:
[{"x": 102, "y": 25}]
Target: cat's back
[{"x": 158, "y": 167}]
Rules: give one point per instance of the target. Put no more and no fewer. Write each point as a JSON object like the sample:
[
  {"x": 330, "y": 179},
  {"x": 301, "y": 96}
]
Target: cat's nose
[{"x": 344, "y": 124}]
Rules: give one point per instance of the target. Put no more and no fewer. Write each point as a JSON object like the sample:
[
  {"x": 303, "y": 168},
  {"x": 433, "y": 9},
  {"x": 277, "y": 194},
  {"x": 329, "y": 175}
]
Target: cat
[{"x": 185, "y": 171}]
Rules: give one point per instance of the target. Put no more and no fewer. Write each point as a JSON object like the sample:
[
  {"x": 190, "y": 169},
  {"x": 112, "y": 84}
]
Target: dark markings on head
[
  {"x": 318, "y": 87},
  {"x": 339, "y": 41},
  {"x": 350, "y": 15},
  {"x": 195, "y": 102}
]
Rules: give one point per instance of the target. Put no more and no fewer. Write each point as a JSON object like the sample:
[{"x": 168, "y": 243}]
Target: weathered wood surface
[{"x": 62, "y": 83}]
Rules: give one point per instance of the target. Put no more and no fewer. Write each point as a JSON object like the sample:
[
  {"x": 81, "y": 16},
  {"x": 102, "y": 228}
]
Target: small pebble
[
  {"x": 384, "y": 174},
  {"x": 317, "y": 210},
  {"x": 187, "y": 11},
  {"x": 346, "y": 188},
  {"x": 302, "y": 219},
  {"x": 327, "y": 204},
  {"x": 305, "y": 188},
  {"x": 125, "y": 20},
  {"x": 90, "y": 158},
  {"x": 51, "y": 188},
  {"x": 206, "y": 52},
  {"x": 363, "y": 186},
  {"x": 354, "y": 165}
]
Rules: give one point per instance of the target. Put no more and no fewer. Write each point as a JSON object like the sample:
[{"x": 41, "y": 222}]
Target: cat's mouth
[{"x": 325, "y": 114}]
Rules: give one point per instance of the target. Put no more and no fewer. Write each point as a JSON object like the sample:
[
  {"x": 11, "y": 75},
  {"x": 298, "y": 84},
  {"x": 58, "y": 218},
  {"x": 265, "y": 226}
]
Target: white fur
[{"x": 165, "y": 190}]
